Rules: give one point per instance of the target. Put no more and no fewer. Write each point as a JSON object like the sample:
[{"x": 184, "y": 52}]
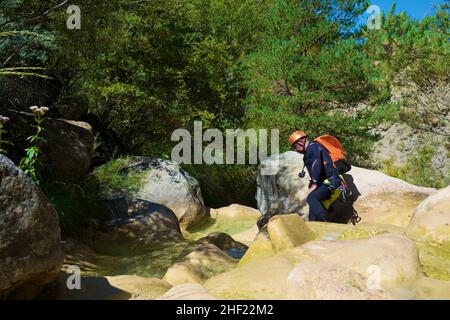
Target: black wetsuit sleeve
[{"x": 316, "y": 165}]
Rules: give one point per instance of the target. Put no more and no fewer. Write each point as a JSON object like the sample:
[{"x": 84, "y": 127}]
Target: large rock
[
  {"x": 236, "y": 212},
  {"x": 377, "y": 198},
  {"x": 288, "y": 231},
  {"x": 226, "y": 243},
  {"x": 67, "y": 154},
  {"x": 139, "y": 225},
  {"x": 344, "y": 269},
  {"x": 324, "y": 281},
  {"x": 163, "y": 182},
  {"x": 202, "y": 263},
  {"x": 282, "y": 191},
  {"x": 140, "y": 288},
  {"x": 260, "y": 248},
  {"x": 30, "y": 251},
  {"x": 431, "y": 219},
  {"x": 259, "y": 279},
  {"x": 393, "y": 255}
]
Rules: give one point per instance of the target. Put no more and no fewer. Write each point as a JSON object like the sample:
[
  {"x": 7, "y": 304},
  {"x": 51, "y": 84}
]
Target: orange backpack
[{"x": 336, "y": 151}]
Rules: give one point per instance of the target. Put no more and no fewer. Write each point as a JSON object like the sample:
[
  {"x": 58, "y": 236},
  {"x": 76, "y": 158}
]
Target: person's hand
[{"x": 312, "y": 188}]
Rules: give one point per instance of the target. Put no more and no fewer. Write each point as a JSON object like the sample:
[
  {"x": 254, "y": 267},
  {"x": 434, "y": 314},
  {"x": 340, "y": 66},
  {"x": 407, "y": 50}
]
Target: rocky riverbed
[{"x": 390, "y": 241}]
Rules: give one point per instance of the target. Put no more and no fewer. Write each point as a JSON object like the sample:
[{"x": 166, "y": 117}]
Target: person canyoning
[{"x": 324, "y": 158}]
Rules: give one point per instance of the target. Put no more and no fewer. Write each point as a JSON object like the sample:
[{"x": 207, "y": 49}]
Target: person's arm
[{"x": 316, "y": 167}]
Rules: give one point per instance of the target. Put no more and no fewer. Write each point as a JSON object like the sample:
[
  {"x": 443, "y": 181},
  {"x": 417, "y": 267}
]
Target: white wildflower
[{"x": 3, "y": 119}]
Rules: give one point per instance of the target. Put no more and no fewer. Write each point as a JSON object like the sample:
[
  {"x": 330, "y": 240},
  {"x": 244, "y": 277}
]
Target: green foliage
[
  {"x": 146, "y": 68},
  {"x": 112, "y": 177},
  {"x": 223, "y": 185},
  {"x": 157, "y": 66},
  {"x": 414, "y": 55},
  {"x": 304, "y": 62},
  {"x": 77, "y": 206},
  {"x": 29, "y": 163},
  {"x": 418, "y": 170}
]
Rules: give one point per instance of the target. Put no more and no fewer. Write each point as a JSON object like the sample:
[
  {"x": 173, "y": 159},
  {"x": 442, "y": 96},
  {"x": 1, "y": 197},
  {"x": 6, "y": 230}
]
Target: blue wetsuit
[{"x": 320, "y": 167}]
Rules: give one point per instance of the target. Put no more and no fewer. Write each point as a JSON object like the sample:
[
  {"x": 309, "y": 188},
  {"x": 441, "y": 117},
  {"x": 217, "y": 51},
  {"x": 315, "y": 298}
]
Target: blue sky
[{"x": 418, "y": 9}]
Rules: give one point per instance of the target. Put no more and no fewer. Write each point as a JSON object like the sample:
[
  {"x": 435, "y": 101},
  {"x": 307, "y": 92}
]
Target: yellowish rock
[
  {"x": 391, "y": 257},
  {"x": 187, "y": 292},
  {"x": 236, "y": 211},
  {"x": 200, "y": 264},
  {"x": 260, "y": 248},
  {"x": 184, "y": 272},
  {"x": 431, "y": 219},
  {"x": 288, "y": 231},
  {"x": 324, "y": 281},
  {"x": 248, "y": 236},
  {"x": 140, "y": 288},
  {"x": 432, "y": 289},
  {"x": 260, "y": 279}
]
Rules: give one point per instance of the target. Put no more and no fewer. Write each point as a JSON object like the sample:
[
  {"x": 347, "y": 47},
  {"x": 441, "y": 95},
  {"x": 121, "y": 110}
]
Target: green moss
[
  {"x": 434, "y": 258},
  {"x": 210, "y": 225},
  {"x": 368, "y": 231},
  {"x": 114, "y": 177}
]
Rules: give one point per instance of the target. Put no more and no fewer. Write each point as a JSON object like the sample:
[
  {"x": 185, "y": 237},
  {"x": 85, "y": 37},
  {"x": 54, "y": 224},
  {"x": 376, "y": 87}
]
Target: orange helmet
[{"x": 297, "y": 134}]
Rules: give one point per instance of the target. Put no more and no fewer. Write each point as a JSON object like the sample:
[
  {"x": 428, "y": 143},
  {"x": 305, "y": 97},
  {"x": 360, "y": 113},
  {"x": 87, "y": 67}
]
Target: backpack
[{"x": 336, "y": 151}]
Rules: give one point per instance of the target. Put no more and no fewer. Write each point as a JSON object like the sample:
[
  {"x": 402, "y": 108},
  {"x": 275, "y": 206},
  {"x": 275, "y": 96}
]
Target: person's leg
[{"x": 317, "y": 211}]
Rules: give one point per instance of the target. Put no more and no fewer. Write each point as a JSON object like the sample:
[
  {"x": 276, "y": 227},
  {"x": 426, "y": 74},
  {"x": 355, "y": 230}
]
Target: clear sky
[{"x": 417, "y": 9}]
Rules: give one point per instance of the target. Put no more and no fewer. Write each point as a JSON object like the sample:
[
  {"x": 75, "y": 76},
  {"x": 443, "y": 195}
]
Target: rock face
[
  {"x": 284, "y": 191},
  {"x": 400, "y": 142},
  {"x": 165, "y": 183},
  {"x": 377, "y": 198},
  {"x": 68, "y": 152},
  {"x": 431, "y": 219},
  {"x": 139, "y": 224},
  {"x": 29, "y": 235}
]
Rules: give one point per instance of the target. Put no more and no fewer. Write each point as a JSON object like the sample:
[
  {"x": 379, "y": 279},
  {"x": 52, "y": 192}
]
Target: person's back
[{"x": 319, "y": 163}]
